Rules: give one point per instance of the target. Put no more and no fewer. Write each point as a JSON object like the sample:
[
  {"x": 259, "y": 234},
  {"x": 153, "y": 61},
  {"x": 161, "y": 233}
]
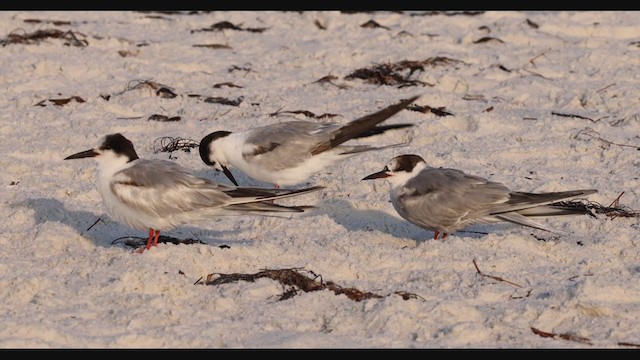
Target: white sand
[{"x": 63, "y": 286}]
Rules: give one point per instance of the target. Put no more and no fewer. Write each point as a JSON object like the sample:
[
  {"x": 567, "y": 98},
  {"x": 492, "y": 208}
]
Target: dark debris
[
  {"x": 295, "y": 280},
  {"x": 71, "y": 38},
  {"x": 226, "y": 25},
  {"x": 60, "y": 102},
  {"x": 224, "y": 101},
  {"x": 170, "y": 144},
  {"x": 135, "y": 241},
  {"x": 439, "y": 111}
]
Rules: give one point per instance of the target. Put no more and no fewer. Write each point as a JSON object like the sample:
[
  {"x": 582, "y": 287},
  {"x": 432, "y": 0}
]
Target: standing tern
[{"x": 446, "y": 200}]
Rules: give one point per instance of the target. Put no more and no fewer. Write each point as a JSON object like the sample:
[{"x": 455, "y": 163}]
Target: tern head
[
  {"x": 210, "y": 157},
  {"x": 399, "y": 169},
  {"x": 113, "y": 149}
]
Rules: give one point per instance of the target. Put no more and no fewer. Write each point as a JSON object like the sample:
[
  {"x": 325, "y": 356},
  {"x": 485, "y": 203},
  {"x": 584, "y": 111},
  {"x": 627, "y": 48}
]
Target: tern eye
[{"x": 386, "y": 168}]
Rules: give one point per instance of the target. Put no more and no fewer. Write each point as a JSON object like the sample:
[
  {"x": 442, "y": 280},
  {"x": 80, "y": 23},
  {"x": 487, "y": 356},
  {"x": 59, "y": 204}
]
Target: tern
[
  {"x": 446, "y": 200},
  {"x": 160, "y": 195},
  {"x": 288, "y": 153}
]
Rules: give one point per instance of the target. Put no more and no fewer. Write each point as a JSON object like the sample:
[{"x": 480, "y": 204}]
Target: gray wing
[
  {"x": 285, "y": 145},
  {"x": 439, "y": 199},
  {"x": 162, "y": 188}
]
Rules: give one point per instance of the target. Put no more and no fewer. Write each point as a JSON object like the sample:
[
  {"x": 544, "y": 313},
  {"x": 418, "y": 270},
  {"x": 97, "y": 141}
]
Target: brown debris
[
  {"x": 213, "y": 46},
  {"x": 390, "y": 73},
  {"x": 511, "y": 297},
  {"x": 305, "y": 113},
  {"x": 160, "y": 89},
  {"x": 225, "y": 25},
  {"x": 373, "y": 24},
  {"x": 487, "y": 39},
  {"x": 407, "y": 295},
  {"x": 613, "y": 211},
  {"x": 532, "y": 24},
  {"x": 564, "y": 336},
  {"x": 293, "y": 278},
  {"x": 577, "y": 116},
  {"x": 470, "y": 97},
  {"x": 329, "y": 80},
  {"x": 60, "y": 102},
  {"x": 629, "y": 344},
  {"x": 165, "y": 93},
  {"x": 125, "y": 53},
  {"x": 135, "y": 241},
  {"x": 227, "y": 84},
  {"x": 170, "y": 144},
  {"x": 319, "y": 25},
  {"x": 224, "y": 101},
  {"x": 439, "y": 111},
  {"x": 246, "y": 69},
  {"x": 70, "y": 37},
  {"x": 163, "y": 118},
  {"x": 159, "y": 17},
  {"x": 54, "y": 22}
]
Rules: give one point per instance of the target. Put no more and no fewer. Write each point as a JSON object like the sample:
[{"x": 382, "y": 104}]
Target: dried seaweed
[
  {"x": 212, "y": 46},
  {"x": 135, "y": 241},
  {"x": 170, "y": 144},
  {"x": 564, "y": 336},
  {"x": 589, "y": 207},
  {"x": 295, "y": 280},
  {"x": 60, "y": 102},
  {"x": 577, "y": 116},
  {"x": 165, "y": 93},
  {"x": 161, "y": 90},
  {"x": 224, "y": 101},
  {"x": 329, "y": 80},
  {"x": 439, "y": 111},
  {"x": 305, "y": 113},
  {"x": 532, "y": 24},
  {"x": 246, "y": 69},
  {"x": 226, "y": 25},
  {"x": 318, "y": 24},
  {"x": 71, "y": 37},
  {"x": 391, "y": 73},
  {"x": 487, "y": 39},
  {"x": 407, "y": 295},
  {"x": 373, "y": 24},
  {"x": 54, "y": 22},
  {"x": 163, "y": 118},
  {"x": 227, "y": 84}
]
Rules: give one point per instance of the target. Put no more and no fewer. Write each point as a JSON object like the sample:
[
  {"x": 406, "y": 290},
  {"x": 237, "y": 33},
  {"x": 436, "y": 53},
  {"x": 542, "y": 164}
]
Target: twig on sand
[
  {"x": 493, "y": 277},
  {"x": 564, "y": 336}
]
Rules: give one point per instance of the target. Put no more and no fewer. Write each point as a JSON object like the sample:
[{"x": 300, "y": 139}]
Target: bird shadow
[
  {"x": 352, "y": 219},
  {"x": 103, "y": 233}
]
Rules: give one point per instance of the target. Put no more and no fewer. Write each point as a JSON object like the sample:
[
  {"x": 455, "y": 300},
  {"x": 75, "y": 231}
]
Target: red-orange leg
[{"x": 155, "y": 241}]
